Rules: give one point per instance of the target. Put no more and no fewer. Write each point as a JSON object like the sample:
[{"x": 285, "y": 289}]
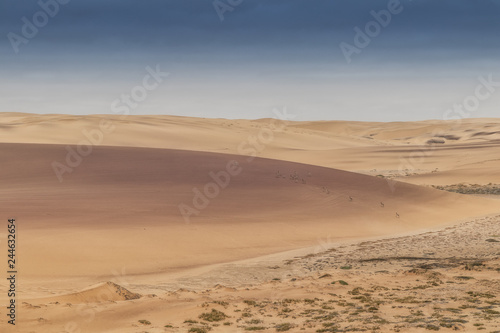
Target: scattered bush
[
  {"x": 284, "y": 327},
  {"x": 215, "y": 315}
]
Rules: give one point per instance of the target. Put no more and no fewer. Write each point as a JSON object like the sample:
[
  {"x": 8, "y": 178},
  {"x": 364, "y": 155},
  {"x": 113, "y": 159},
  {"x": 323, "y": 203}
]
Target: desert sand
[{"x": 177, "y": 224}]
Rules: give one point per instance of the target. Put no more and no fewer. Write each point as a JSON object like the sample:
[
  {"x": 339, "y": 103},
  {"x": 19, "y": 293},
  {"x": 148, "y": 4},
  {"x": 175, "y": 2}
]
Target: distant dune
[{"x": 396, "y": 149}]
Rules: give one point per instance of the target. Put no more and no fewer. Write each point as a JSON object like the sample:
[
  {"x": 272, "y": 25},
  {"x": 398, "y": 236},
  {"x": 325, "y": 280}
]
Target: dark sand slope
[{"x": 120, "y": 208}]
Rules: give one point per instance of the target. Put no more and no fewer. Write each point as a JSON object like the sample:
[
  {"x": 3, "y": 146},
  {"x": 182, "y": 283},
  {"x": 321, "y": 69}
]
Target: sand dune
[
  {"x": 133, "y": 195},
  {"x": 162, "y": 201},
  {"x": 102, "y": 292},
  {"x": 397, "y": 149}
]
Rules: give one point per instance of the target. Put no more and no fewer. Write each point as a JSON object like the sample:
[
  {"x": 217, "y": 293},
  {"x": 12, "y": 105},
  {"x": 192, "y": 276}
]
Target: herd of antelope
[{"x": 295, "y": 177}]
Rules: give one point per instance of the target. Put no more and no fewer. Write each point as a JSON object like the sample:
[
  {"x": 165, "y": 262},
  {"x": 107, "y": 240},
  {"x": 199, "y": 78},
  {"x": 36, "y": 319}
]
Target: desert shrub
[
  {"x": 215, "y": 315},
  {"x": 284, "y": 327}
]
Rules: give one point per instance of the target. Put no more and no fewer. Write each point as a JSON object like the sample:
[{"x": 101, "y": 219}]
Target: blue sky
[{"x": 264, "y": 54}]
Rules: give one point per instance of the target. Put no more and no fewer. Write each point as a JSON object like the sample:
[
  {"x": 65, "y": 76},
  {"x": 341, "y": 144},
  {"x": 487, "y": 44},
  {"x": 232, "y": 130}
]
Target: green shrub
[
  {"x": 284, "y": 327},
  {"x": 215, "y": 315}
]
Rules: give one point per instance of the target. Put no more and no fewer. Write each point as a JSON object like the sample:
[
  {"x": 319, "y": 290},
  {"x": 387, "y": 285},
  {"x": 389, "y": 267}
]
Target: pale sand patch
[{"x": 445, "y": 278}]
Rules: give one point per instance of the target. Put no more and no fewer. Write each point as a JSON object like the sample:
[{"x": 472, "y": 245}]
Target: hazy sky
[{"x": 344, "y": 59}]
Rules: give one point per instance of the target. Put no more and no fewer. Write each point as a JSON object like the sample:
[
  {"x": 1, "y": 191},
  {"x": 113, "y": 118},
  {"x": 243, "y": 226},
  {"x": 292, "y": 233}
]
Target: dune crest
[{"x": 102, "y": 292}]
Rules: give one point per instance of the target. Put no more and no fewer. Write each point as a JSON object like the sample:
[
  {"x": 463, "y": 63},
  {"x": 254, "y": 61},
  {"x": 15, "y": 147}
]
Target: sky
[{"x": 370, "y": 60}]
